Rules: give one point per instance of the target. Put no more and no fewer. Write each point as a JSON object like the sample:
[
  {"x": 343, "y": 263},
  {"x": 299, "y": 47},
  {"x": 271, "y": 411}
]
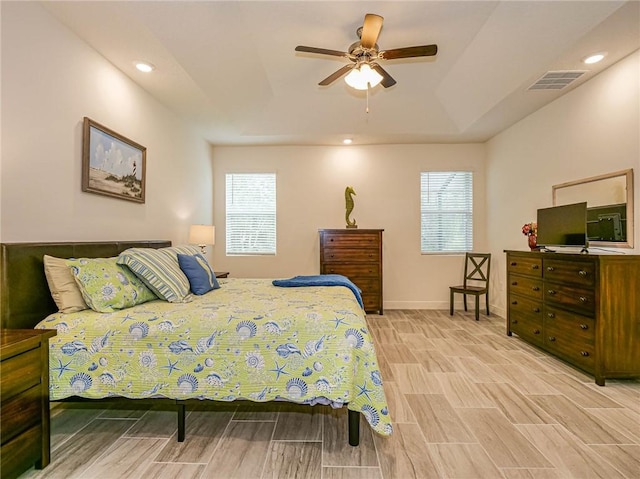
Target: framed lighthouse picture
[{"x": 112, "y": 165}]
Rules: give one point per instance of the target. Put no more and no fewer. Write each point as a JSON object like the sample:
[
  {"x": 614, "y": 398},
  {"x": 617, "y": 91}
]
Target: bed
[{"x": 248, "y": 340}]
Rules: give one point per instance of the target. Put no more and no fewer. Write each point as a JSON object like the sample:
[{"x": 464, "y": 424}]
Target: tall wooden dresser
[
  {"x": 356, "y": 254},
  {"x": 582, "y": 308}
]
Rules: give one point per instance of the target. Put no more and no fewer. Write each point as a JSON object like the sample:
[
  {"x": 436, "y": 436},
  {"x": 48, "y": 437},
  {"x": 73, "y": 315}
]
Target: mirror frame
[{"x": 628, "y": 174}]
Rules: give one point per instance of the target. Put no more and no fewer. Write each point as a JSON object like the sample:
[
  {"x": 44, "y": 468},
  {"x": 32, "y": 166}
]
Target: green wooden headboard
[{"x": 24, "y": 294}]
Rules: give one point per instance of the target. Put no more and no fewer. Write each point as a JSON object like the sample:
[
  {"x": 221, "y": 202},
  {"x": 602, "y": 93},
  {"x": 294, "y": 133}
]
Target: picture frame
[{"x": 112, "y": 165}]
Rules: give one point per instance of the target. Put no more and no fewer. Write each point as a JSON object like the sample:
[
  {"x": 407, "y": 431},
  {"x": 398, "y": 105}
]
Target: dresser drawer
[
  {"x": 581, "y": 273},
  {"x": 526, "y": 285},
  {"x": 350, "y": 240},
  {"x": 369, "y": 286},
  {"x": 525, "y": 318},
  {"x": 527, "y": 327},
  {"x": 577, "y": 299},
  {"x": 21, "y": 453},
  {"x": 19, "y": 373},
  {"x": 20, "y": 413},
  {"x": 359, "y": 255},
  {"x": 563, "y": 323},
  {"x": 570, "y": 348},
  {"x": 353, "y": 271},
  {"x": 524, "y": 265},
  {"x": 522, "y": 306},
  {"x": 371, "y": 302}
]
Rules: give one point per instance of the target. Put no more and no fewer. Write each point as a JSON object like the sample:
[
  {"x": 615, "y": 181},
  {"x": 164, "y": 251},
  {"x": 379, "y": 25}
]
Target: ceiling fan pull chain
[{"x": 367, "y": 110}]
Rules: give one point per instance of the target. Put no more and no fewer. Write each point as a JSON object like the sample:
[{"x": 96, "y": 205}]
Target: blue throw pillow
[{"x": 201, "y": 277}]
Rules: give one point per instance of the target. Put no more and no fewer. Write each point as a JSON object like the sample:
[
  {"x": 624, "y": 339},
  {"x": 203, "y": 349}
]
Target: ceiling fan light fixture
[{"x": 362, "y": 77}]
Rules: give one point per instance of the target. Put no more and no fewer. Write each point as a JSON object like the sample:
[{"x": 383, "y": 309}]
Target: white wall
[
  {"x": 592, "y": 130},
  {"x": 50, "y": 80},
  {"x": 310, "y": 195}
]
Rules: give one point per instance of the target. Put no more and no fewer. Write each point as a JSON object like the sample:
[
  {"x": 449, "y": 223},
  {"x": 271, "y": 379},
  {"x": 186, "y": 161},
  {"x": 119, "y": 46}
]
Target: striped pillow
[{"x": 160, "y": 271}]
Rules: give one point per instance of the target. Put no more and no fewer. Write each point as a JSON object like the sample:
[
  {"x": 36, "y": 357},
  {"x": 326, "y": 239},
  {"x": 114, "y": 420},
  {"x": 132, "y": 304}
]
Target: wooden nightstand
[
  {"x": 223, "y": 274},
  {"x": 24, "y": 400}
]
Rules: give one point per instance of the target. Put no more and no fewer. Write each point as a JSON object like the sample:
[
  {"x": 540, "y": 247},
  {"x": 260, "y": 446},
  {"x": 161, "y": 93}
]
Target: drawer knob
[
  {"x": 551, "y": 315},
  {"x": 536, "y": 331},
  {"x": 582, "y": 273},
  {"x": 549, "y": 268},
  {"x": 583, "y": 299},
  {"x": 515, "y": 283},
  {"x": 552, "y": 338},
  {"x": 536, "y": 288},
  {"x": 584, "y": 353},
  {"x": 331, "y": 239},
  {"x": 514, "y": 321},
  {"x": 513, "y": 263},
  {"x": 370, "y": 256},
  {"x": 514, "y": 302},
  {"x": 551, "y": 291},
  {"x": 536, "y": 310},
  {"x": 535, "y": 266},
  {"x": 332, "y": 256},
  {"x": 584, "y": 326}
]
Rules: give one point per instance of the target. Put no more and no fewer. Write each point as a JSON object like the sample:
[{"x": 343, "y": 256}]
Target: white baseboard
[
  {"x": 416, "y": 305},
  {"x": 458, "y": 306}
]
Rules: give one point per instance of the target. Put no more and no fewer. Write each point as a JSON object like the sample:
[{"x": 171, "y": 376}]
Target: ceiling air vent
[{"x": 557, "y": 80}]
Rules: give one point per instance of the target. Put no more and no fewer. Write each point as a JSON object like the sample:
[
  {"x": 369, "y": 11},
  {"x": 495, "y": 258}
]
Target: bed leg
[
  {"x": 181, "y": 421},
  {"x": 354, "y": 428}
]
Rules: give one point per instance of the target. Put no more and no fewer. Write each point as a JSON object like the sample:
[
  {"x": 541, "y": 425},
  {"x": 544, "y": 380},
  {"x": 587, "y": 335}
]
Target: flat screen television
[{"x": 564, "y": 225}]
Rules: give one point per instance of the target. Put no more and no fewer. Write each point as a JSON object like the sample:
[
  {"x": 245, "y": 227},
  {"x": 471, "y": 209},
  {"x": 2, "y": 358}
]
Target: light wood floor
[{"x": 466, "y": 400}]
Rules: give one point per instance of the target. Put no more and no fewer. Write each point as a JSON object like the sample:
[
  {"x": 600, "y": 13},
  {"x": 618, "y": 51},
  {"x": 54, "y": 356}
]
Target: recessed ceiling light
[
  {"x": 347, "y": 141},
  {"x": 145, "y": 67},
  {"x": 593, "y": 58}
]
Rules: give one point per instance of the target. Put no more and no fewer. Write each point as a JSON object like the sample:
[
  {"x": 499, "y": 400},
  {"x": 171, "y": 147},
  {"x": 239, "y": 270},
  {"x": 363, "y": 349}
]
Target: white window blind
[
  {"x": 446, "y": 211},
  {"x": 251, "y": 213}
]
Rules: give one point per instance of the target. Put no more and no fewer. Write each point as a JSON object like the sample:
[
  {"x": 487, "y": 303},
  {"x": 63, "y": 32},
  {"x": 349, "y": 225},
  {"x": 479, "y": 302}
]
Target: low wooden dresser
[
  {"x": 356, "y": 254},
  {"x": 24, "y": 400},
  {"x": 582, "y": 308}
]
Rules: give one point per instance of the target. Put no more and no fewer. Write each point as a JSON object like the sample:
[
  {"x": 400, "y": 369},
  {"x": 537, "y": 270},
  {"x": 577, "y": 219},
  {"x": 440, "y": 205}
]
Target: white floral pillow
[{"x": 107, "y": 286}]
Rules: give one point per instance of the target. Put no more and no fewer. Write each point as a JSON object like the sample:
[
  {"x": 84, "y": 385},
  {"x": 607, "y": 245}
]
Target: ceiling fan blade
[
  {"x": 335, "y": 75},
  {"x": 387, "y": 80},
  {"x": 321, "y": 51},
  {"x": 370, "y": 30},
  {"x": 408, "y": 52}
]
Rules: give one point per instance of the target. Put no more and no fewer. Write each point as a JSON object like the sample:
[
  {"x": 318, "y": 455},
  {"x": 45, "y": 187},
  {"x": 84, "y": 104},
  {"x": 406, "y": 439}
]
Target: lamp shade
[
  {"x": 202, "y": 234},
  {"x": 361, "y": 77}
]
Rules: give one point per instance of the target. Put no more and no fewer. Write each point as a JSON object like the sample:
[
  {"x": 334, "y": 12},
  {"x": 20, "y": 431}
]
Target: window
[
  {"x": 251, "y": 213},
  {"x": 446, "y": 211}
]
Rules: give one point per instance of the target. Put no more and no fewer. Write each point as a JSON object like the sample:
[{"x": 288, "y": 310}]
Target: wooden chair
[{"x": 476, "y": 271}]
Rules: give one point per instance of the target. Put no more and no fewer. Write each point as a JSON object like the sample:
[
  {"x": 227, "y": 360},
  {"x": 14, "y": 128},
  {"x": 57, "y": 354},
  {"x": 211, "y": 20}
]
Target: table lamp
[{"x": 202, "y": 235}]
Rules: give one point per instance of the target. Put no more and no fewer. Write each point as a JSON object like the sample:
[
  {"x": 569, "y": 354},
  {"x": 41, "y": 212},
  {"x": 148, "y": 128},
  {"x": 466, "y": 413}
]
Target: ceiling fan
[{"x": 365, "y": 71}]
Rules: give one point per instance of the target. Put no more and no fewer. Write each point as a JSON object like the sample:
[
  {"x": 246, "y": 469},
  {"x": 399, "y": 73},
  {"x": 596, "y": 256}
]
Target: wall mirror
[{"x": 609, "y": 200}]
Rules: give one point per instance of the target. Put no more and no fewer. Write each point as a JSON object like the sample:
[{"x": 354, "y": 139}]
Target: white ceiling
[{"x": 230, "y": 67}]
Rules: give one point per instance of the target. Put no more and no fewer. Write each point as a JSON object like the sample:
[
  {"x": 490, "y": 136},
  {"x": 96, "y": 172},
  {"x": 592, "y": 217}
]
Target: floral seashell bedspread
[{"x": 247, "y": 340}]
